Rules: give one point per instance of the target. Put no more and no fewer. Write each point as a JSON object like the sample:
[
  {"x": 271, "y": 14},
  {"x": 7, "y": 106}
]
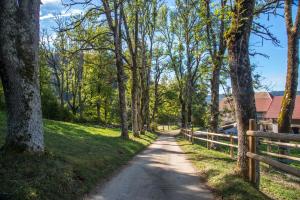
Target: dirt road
[{"x": 161, "y": 172}]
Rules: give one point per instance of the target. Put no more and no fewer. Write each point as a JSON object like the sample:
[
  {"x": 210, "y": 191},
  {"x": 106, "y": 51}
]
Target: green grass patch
[
  {"x": 77, "y": 157},
  {"x": 217, "y": 168}
]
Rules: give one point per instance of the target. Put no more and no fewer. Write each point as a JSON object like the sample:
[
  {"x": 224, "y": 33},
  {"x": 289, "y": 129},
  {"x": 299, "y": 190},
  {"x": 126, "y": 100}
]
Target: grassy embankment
[
  {"x": 217, "y": 169},
  {"x": 77, "y": 157}
]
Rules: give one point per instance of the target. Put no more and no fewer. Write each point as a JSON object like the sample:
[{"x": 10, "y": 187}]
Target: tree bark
[
  {"x": 80, "y": 77},
  {"x": 19, "y": 40},
  {"x": 158, "y": 72},
  {"x": 133, "y": 48},
  {"x": 240, "y": 73},
  {"x": 289, "y": 98},
  {"x": 116, "y": 29},
  {"x": 288, "y": 101},
  {"x": 214, "y": 109},
  {"x": 134, "y": 99},
  {"x": 98, "y": 107},
  {"x": 216, "y": 50},
  {"x": 183, "y": 111}
]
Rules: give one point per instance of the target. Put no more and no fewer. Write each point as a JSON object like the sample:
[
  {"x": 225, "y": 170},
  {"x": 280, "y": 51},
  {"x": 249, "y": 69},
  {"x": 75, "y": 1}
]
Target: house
[
  {"x": 274, "y": 110},
  {"x": 263, "y": 101},
  {"x": 267, "y": 111}
]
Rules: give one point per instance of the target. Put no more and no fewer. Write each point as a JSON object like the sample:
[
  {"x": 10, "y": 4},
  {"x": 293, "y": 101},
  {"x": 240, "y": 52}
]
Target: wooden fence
[
  {"x": 263, "y": 156},
  {"x": 194, "y": 135},
  {"x": 254, "y": 155}
]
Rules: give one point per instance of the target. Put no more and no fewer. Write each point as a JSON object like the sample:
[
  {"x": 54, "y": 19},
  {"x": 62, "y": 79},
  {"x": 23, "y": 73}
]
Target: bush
[
  {"x": 154, "y": 126},
  {"x": 52, "y": 109}
]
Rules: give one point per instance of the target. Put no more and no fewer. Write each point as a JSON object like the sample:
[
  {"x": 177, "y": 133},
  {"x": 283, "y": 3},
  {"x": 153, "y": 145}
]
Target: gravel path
[{"x": 161, "y": 172}]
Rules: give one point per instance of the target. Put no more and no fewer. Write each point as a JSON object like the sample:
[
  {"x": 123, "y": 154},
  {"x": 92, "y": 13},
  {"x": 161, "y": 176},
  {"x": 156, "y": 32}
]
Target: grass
[
  {"x": 262, "y": 147},
  {"x": 217, "y": 169},
  {"x": 77, "y": 157}
]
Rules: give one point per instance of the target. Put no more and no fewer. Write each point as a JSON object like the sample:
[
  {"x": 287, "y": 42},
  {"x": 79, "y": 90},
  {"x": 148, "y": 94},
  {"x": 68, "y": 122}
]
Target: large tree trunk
[
  {"x": 146, "y": 107},
  {"x": 134, "y": 99},
  {"x": 240, "y": 72},
  {"x": 116, "y": 29},
  {"x": 19, "y": 40},
  {"x": 61, "y": 92},
  {"x": 80, "y": 77},
  {"x": 133, "y": 49},
  {"x": 288, "y": 101},
  {"x": 189, "y": 97},
  {"x": 214, "y": 109},
  {"x": 121, "y": 79},
  {"x": 158, "y": 72},
  {"x": 144, "y": 93},
  {"x": 183, "y": 111},
  {"x": 98, "y": 108}
]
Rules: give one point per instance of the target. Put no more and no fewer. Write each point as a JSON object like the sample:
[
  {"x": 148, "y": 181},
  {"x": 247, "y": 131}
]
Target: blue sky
[{"x": 273, "y": 69}]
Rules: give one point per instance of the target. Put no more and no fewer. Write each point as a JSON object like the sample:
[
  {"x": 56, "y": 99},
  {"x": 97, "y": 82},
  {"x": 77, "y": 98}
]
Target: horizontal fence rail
[
  {"x": 194, "y": 135},
  {"x": 255, "y": 138},
  {"x": 277, "y": 136},
  {"x": 268, "y": 138},
  {"x": 274, "y": 163},
  {"x": 282, "y": 144}
]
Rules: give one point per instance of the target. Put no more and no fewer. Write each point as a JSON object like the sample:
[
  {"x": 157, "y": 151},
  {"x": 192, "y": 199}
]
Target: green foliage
[
  {"x": 77, "y": 157},
  {"x": 2, "y": 99},
  {"x": 51, "y": 108}
]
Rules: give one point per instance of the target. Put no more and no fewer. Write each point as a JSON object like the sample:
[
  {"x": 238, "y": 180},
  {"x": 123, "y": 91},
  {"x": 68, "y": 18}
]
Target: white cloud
[
  {"x": 68, "y": 13},
  {"x": 48, "y": 16},
  {"x": 71, "y": 12},
  {"x": 51, "y": 1}
]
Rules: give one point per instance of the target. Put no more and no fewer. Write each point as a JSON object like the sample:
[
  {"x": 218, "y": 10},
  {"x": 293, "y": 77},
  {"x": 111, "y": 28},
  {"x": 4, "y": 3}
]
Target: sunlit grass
[
  {"x": 77, "y": 157},
  {"x": 217, "y": 168}
]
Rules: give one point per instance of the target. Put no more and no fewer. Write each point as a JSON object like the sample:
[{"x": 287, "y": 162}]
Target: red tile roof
[
  {"x": 263, "y": 101},
  {"x": 226, "y": 104},
  {"x": 275, "y": 107}
]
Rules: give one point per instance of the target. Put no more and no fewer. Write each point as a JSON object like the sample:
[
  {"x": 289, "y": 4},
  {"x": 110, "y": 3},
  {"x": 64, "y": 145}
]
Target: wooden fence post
[
  {"x": 269, "y": 149},
  {"x": 207, "y": 137},
  {"x": 231, "y": 148},
  {"x": 192, "y": 135},
  {"x": 253, "y": 164}
]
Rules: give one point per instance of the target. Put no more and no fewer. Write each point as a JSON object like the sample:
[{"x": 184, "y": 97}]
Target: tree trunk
[
  {"x": 98, "y": 106},
  {"x": 105, "y": 110},
  {"x": 134, "y": 99},
  {"x": 116, "y": 29},
  {"x": 183, "y": 112},
  {"x": 80, "y": 76},
  {"x": 158, "y": 72},
  {"x": 240, "y": 73},
  {"x": 133, "y": 50},
  {"x": 61, "y": 93},
  {"x": 146, "y": 108},
  {"x": 288, "y": 101},
  {"x": 143, "y": 83},
  {"x": 121, "y": 79},
  {"x": 214, "y": 109},
  {"x": 19, "y": 40}
]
